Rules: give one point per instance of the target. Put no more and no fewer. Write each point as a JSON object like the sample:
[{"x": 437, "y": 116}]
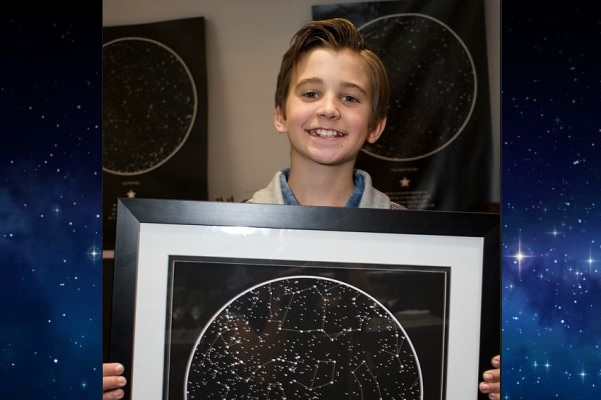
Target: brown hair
[{"x": 336, "y": 34}]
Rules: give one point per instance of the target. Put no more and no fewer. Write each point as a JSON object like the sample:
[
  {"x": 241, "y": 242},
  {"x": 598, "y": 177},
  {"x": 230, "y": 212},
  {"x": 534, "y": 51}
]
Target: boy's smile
[
  {"x": 328, "y": 108},
  {"x": 325, "y": 133}
]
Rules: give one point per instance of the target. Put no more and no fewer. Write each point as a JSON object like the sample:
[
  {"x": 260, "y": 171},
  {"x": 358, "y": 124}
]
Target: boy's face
[{"x": 328, "y": 108}]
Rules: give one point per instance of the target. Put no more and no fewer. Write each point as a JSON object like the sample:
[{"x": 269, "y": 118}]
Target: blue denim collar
[
  {"x": 287, "y": 194},
  {"x": 353, "y": 201}
]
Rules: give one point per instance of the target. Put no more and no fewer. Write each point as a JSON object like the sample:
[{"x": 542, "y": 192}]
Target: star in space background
[
  {"x": 50, "y": 205},
  {"x": 551, "y": 201}
]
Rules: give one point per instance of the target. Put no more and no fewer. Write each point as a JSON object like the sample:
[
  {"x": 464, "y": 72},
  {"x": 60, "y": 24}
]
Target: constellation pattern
[
  {"x": 149, "y": 105},
  {"x": 303, "y": 337}
]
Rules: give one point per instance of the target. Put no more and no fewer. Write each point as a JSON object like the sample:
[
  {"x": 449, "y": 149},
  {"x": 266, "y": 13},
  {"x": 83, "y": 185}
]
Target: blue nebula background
[
  {"x": 551, "y": 201},
  {"x": 50, "y": 205}
]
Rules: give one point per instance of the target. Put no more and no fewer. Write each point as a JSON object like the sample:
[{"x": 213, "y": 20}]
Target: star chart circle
[
  {"x": 303, "y": 337},
  {"x": 149, "y": 104},
  {"x": 433, "y": 85}
]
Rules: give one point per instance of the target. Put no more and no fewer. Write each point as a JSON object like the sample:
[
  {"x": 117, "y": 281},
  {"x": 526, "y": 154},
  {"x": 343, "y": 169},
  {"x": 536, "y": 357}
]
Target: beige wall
[{"x": 244, "y": 42}]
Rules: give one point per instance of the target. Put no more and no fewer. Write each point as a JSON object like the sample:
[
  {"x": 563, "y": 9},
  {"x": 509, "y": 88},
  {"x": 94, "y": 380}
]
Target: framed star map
[{"x": 220, "y": 300}]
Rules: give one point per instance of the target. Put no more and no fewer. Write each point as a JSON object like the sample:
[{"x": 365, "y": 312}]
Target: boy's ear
[
  {"x": 279, "y": 120},
  {"x": 376, "y": 132}
]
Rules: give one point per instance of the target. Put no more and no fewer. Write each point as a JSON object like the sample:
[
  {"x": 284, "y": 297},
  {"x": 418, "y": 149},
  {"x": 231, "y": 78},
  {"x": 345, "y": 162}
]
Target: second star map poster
[{"x": 436, "y": 150}]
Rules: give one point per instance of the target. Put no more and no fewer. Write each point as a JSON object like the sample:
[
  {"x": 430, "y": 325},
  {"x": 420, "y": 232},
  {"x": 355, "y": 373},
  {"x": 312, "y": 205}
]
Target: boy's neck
[{"x": 322, "y": 185}]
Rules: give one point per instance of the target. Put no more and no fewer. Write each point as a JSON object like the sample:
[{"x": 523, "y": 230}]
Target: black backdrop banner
[
  {"x": 436, "y": 150},
  {"x": 154, "y": 117}
]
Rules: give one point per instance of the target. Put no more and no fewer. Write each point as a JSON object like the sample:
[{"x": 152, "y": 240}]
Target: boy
[{"x": 331, "y": 97}]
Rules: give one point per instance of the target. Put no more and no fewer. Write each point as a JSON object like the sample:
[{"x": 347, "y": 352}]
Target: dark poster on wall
[
  {"x": 436, "y": 150},
  {"x": 154, "y": 117}
]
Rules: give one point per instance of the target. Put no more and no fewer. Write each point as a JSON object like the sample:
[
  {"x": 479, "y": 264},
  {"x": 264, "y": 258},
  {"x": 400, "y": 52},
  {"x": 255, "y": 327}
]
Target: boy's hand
[
  {"x": 112, "y": 381},
  {"x": 492, "y": 380}
]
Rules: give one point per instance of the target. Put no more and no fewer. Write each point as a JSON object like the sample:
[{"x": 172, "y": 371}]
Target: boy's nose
[{"x": 328, "y": 108}]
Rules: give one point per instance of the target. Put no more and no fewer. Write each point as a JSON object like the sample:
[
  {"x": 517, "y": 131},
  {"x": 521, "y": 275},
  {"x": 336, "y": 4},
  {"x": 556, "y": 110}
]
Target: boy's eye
[
  {"x": 350, "y": 99},
  {"x": 310, "y": 95}
]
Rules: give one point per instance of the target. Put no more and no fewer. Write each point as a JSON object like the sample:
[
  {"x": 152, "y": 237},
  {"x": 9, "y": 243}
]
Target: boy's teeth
[{"x": 325, "y": 133}]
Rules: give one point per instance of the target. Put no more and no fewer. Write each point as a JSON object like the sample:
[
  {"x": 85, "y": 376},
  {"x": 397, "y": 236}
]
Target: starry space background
[
  {"x": 50, "y": 206},
  {"x": 50, "y": 203},
  {"x": 551, "y": 201}
]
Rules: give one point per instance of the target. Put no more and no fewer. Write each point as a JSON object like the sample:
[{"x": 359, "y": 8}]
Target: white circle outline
[
  {"x": 194, "y": 108},
  {"x": 475, "y": 93}
]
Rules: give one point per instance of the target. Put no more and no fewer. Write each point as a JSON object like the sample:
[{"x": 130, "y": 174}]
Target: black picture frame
[{"x": 153, "y": 235}]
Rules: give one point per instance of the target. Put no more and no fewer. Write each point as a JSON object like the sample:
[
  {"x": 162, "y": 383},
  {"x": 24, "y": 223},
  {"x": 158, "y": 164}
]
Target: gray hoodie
[{"x": 371, "y": 198}]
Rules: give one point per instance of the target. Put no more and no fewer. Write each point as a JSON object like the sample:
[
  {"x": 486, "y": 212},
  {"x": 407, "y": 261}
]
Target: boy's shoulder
[{"x": 397, "y": 206}]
